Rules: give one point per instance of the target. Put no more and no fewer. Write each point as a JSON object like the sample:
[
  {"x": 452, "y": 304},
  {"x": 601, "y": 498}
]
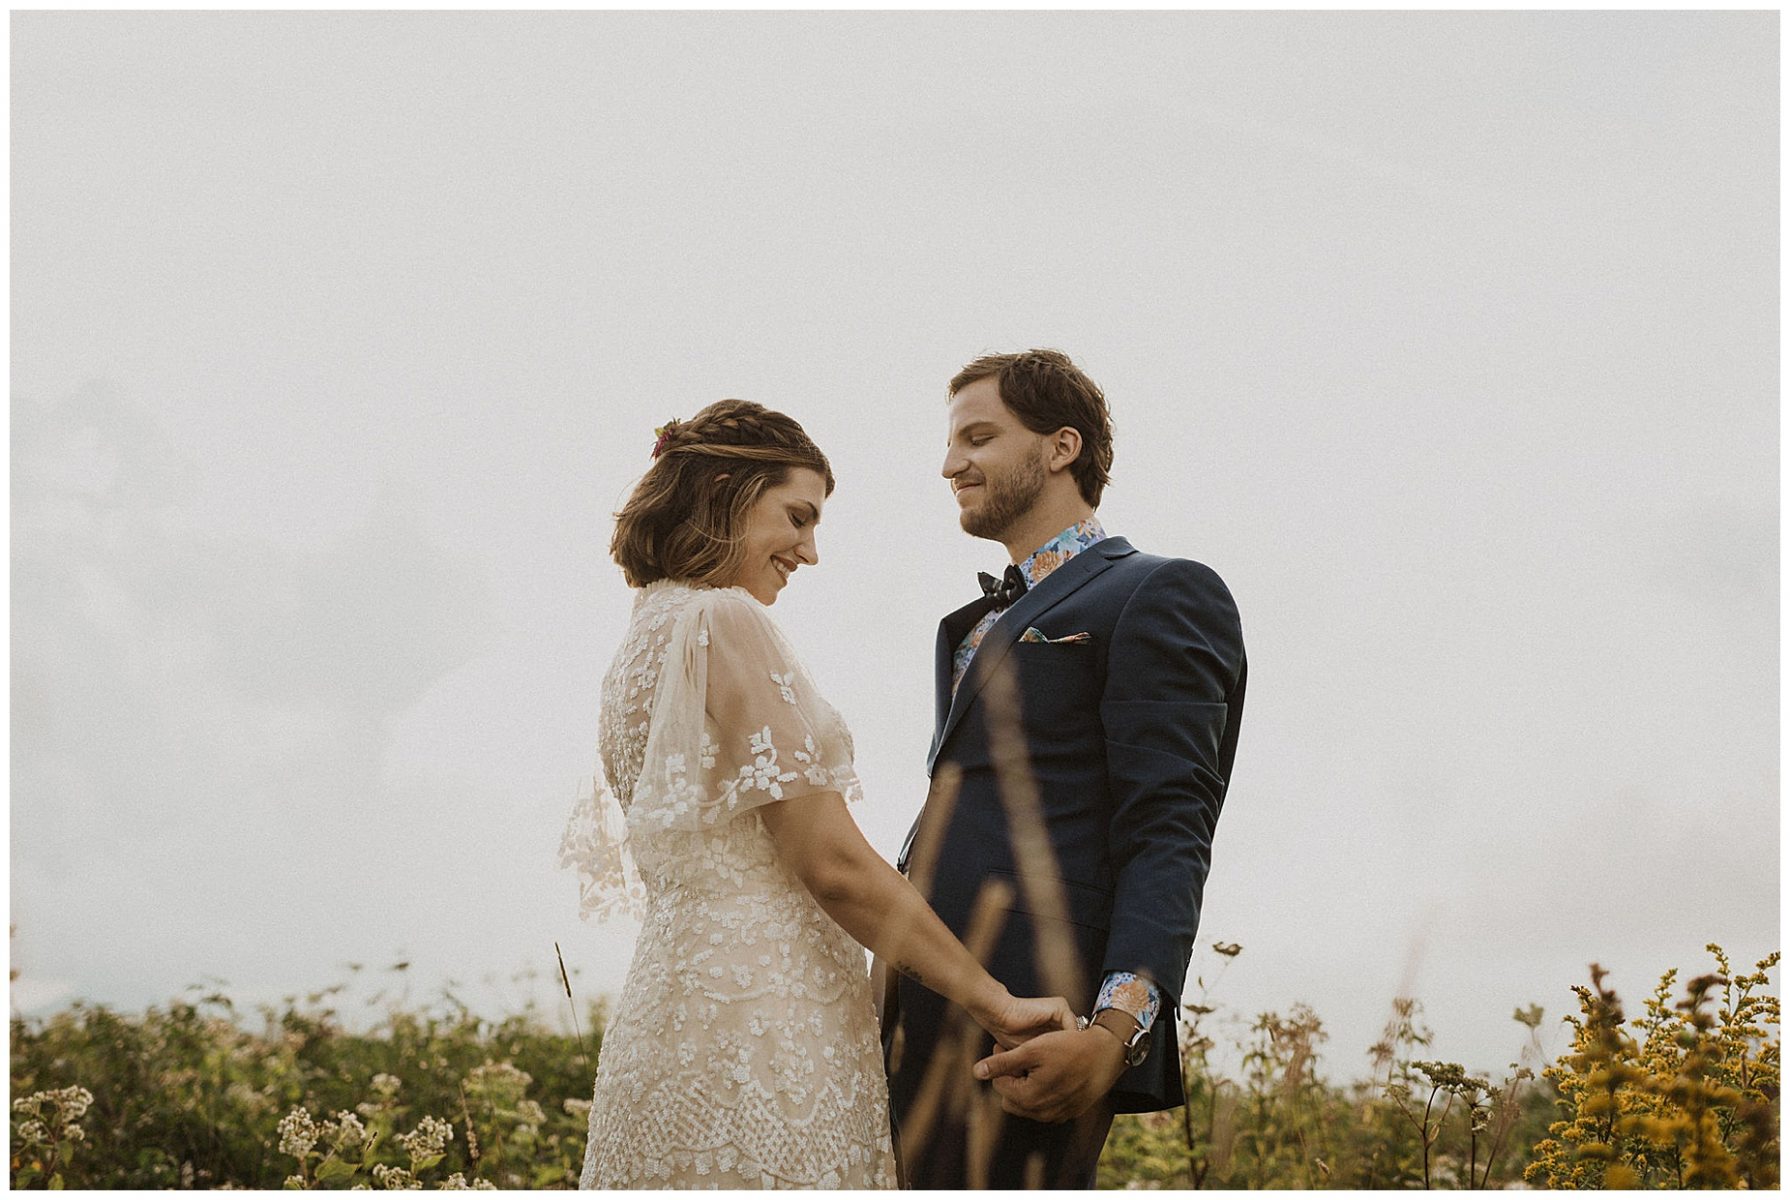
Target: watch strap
[{"x": 1130, "y": 1032}]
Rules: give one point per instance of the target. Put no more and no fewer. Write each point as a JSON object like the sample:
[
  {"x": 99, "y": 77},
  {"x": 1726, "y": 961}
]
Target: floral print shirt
[
  {"x": 1042, "y": 561},
  {"x": 1121, "y": 990}
]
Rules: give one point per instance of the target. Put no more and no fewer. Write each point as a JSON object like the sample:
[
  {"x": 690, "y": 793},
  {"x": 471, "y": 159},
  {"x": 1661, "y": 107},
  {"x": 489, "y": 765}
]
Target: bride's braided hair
[{"x": 685, "y": 517}]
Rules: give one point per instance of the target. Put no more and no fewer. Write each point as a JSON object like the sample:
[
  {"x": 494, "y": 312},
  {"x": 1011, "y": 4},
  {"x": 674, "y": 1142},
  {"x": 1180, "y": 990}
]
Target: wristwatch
[{"x": 1122, "y": 1025}]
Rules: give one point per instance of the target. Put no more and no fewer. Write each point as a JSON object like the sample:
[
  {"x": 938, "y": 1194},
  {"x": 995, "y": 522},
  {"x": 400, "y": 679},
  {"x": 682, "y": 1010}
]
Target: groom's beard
[{"x": 1008, "y": 497}]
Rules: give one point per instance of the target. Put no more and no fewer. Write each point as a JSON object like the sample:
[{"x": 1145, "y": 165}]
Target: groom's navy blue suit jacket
[{"x": 1131, "y": 733}]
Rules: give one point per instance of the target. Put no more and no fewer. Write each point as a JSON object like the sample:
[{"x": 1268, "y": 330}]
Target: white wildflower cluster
[
  {"x": 32, "y": 1132},
  {"x": 457, "y": 1183},
  {"x": 343, "y": 1132},
  {"x": 386, "y": 1086},
  {"x": 73, "y": 1101},
  {"x": 428, "y": 1140},
  {"x": 246, "y": 1098},
  {"x": 70, "y": 1103},
  {"x": 531, "y": 1111},
  {"x": 575, "y": 1107},
  {"x": 298, "y": 1133},
  {"x": 395, "y": 1178},
  {"x": 498, "y": 1079}
]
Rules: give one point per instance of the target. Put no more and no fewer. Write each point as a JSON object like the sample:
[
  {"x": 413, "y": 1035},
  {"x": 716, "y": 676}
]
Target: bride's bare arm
[{"x": 873, "y": 902}]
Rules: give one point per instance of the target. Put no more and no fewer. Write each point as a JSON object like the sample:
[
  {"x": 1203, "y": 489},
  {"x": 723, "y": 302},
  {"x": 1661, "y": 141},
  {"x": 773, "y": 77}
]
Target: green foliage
[
  {"x": 1416, "y": 1122},
  {"x": 188, "y": 1096}
]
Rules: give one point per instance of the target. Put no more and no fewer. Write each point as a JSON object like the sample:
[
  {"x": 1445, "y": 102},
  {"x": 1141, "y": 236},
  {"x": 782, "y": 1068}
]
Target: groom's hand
[{"x": 1057, "y": 1076}]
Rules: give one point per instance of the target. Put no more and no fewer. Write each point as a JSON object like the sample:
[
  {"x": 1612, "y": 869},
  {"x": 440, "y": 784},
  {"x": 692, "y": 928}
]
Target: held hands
[
  {"x": 1057, "y": 1076},
  {"x": 1014, "y": 1020}
]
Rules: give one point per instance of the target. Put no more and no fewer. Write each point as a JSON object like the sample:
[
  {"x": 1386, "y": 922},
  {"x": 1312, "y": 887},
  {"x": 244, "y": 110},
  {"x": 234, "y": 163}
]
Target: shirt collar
[{"x": 1060, "y": 549}]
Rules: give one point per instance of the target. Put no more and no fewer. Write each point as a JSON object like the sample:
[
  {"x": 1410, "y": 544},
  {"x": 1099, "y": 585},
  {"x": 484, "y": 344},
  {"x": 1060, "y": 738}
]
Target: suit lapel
[
  {"x": 1058, "y": 586},
  {"x": 952, "y": 630}
]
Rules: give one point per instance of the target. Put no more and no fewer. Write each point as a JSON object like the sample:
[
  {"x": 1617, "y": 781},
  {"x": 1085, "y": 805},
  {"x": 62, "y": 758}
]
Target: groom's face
[{"x": 995, "y": 464}]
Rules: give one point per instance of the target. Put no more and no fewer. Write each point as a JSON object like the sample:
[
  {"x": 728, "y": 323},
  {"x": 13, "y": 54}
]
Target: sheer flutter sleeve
[
  {"x": 595, "y": 844},
  {"x": 735, "y": 723}
]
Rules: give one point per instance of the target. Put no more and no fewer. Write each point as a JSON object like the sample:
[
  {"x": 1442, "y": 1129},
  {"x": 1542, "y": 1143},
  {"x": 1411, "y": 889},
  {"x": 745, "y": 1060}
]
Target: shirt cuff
[{"x": 1131, "y": 994}]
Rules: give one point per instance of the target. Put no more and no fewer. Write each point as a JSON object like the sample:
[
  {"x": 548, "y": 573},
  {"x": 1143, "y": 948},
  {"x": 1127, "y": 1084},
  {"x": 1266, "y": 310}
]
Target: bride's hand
[{"x": 1017, "y": 1020}]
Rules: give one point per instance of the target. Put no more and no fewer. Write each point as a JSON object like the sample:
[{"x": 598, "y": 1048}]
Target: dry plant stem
[
  {"x": 566, "y": 982},
  {"x": 1193, "y": 1164},
  {"x": 985, "y": 1120},
  {"x": 472, "y": 1139},
  {"x": 1059, "y": 967},
  {"x": 1506, "y": 1119},
  {"x": 1430, "y": 1138},
  {"x": 956, "y": 1047},
  {"x": 935, "y": 818}
]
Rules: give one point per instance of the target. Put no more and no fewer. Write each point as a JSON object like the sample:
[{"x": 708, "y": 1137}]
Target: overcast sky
[{"x": 1448, "y": 340}]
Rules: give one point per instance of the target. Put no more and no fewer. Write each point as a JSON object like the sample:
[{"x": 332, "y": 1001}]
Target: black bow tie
[{"x": 1005, "y": 590}]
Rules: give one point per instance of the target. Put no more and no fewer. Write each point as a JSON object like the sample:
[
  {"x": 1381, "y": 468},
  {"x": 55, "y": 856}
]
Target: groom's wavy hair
[
  {"x": 686, "y": 516},
  {"x": 1047, "y": 391}
]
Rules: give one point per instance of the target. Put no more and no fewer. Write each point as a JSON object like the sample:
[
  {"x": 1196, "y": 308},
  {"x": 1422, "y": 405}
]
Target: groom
[{"x": 1128, "y": 671}]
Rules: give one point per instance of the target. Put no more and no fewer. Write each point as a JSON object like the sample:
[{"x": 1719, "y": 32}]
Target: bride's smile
[{"x": 779, "y": 533}]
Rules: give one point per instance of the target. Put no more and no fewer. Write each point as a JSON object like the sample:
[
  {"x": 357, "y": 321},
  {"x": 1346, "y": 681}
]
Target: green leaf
[
  {"x": 334, "y": 1168},
  {"x": 56, "y": 1182},
  {"x": 423, "y": 1164}
]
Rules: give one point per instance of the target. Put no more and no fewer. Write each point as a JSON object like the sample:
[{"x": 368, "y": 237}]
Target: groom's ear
[{"x": 1065, "y": 448}]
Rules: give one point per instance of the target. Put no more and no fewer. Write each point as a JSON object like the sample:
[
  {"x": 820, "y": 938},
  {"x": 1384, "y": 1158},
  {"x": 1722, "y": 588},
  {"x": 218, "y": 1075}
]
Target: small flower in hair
[{"x": 663, "y": 433}]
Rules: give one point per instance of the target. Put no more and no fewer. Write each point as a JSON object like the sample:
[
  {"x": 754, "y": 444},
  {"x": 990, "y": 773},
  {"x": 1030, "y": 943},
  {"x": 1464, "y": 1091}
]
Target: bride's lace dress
[{"x": 743, "y": 1051}]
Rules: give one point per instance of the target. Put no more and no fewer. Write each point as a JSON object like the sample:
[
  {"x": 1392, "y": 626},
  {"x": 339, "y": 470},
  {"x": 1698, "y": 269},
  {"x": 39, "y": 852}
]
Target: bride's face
[{"x": 779, "y": 533}]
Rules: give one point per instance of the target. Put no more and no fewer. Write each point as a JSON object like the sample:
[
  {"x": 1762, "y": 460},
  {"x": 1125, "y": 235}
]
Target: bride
[{"x": 743, "y": 1052}]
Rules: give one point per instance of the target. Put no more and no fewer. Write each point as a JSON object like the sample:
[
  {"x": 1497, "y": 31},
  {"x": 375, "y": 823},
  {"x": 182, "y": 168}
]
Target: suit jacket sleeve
[{"x": 1174, "y": 672}]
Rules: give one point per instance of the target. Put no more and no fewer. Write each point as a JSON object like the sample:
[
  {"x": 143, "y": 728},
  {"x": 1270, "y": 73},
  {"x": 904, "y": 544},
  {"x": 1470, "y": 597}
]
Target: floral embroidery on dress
[
  {"x": 762, "y": 772},
  {"x": 744, "y": 1052}
]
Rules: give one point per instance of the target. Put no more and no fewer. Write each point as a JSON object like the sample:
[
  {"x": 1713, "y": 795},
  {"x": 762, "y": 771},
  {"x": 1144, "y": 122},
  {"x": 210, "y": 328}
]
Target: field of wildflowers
[{"x": 189, "y": 1095}]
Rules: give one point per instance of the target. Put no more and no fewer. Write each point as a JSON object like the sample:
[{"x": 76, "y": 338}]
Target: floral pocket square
[{"x": 1073, "y": 639}]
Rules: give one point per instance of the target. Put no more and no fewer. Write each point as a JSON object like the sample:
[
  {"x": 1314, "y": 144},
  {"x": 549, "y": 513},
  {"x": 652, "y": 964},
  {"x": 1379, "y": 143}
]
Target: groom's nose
[{"x": 954, "y": 464}]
